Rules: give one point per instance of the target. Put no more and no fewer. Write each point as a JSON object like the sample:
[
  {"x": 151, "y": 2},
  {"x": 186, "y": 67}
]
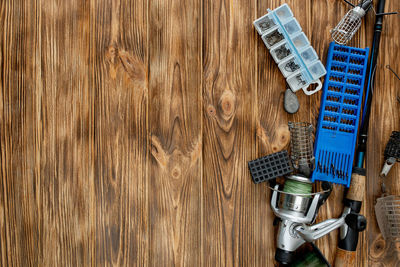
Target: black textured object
[
  {"x": 392, "y": 149},
  {"x": 284, "y": 257},
  {"x": 270, "y": 167}
]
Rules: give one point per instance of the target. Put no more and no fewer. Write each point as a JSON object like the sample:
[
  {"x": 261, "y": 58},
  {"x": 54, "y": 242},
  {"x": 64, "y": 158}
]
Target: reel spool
[
  {"x": 296, "y": 202},
  {"x": 297, "y": 194}
]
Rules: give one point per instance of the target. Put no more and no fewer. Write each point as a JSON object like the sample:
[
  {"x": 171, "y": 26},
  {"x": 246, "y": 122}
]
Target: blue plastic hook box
[
  {"x": 339, "y": 115},
  {"x": 290, "y": 49}
]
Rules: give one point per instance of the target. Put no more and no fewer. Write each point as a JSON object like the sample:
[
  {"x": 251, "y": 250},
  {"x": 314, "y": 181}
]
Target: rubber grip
[
  {"x": 350, "y": 242},
  {"x": 345, "y": 258}
]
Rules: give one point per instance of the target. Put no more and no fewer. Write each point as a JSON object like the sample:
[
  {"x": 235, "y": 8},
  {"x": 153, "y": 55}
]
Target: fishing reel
[
  {"x": 296, "y": 209},
  {"x": 293, "y": 203}
]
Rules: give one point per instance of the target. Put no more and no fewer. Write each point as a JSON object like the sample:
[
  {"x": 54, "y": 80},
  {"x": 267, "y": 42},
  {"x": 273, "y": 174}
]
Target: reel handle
[{"x": 346, "y": 251}]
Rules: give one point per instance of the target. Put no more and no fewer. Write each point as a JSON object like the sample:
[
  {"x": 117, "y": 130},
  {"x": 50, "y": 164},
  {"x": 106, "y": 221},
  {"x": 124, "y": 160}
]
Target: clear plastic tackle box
[{"x": 291, "y": 49}]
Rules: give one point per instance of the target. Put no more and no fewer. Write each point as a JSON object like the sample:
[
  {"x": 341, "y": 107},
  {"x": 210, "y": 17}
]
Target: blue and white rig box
[{"x": 290, "y": 49}]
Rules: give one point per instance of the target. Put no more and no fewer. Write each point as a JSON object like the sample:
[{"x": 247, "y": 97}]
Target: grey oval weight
[{"x": 290, "y": 102}]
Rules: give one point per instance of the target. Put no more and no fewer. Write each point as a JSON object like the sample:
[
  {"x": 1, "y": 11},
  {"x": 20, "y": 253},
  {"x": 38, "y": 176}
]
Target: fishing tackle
[
  {"x": 351, "y": 22},
  {"x": 293, "y": 202},
  {"x": 339, "y": 114},
  {"x": 348, "y": 239},
  {"x": 290, "y": 49}
]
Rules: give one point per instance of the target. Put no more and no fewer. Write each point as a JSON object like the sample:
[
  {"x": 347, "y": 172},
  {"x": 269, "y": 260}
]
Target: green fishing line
[{"x": 296, "y": 187}]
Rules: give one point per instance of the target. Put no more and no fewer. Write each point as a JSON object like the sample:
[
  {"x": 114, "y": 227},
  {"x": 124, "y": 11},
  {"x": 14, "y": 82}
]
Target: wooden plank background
[{"x": 126, "y": 127}]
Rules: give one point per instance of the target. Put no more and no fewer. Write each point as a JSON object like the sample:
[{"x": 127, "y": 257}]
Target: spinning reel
[
  {"x": 293, "y": 203},
  {"x": 296, "y": 213}
]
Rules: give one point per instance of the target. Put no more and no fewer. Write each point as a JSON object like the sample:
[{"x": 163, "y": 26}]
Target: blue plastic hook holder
[{"x": 339, "y": 115}]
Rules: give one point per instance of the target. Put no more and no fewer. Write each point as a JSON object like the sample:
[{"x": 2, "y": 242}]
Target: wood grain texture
[
  {"x": 126, "y": 127},
  {"x": 63, "y": 140},
  {"x": 230, "y": 236},
  {"x": 119, "y": 58},
  {"x": 47, "y": 140},
  {"x": 385, "y": 119},
  {"x": 19, "y": 197},
  {"x": 175, "y": 174}
]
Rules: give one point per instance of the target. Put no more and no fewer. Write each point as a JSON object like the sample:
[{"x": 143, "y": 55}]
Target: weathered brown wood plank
[
  {"x": 19, "y": 194},
  {"x": 45, "y": 171},
  {"x": 119, "y": 61},
  {"x": 126, "y": 127},
  {"x": 64, "y": 136},
  {"x": 233, "y": 226},
  {"x": 175, "y": 108},
  {"x": 385, "y": 119}
]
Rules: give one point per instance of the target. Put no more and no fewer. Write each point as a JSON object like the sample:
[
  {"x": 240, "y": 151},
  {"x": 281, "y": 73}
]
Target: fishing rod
[
  {"x": 346, "y": 251},
  {"x": 363, "y": 134}
]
